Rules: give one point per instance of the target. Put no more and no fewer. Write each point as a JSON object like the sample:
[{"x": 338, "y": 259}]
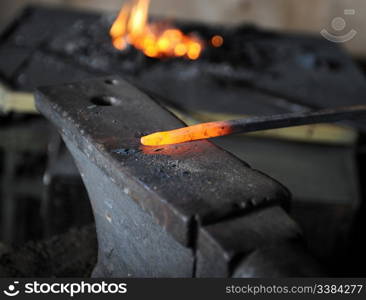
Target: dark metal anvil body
[{"x": 187, "y": 210}]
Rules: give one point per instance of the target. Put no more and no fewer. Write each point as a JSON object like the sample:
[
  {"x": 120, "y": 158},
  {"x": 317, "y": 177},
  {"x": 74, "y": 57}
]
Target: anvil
[{"x": 187, "y": 210}]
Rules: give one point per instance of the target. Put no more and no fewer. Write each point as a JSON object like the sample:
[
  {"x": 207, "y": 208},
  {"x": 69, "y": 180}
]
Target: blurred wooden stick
[{"x": 19, "y": 102}]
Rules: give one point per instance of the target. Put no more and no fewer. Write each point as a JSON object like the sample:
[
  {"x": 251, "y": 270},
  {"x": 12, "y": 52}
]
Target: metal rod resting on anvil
[{"x": 222, "y": 128}]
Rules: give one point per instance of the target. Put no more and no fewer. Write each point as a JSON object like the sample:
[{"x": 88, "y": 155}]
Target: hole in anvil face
[
  {"x": 106, "y": 101},
  {"x": 111, "y": 81}
]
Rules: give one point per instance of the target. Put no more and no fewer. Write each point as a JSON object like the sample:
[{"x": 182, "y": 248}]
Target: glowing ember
[
  {"x": 153, "y": 39},
  {"x": 187, "y": 134},
  {"x": 217, "y": 41}
]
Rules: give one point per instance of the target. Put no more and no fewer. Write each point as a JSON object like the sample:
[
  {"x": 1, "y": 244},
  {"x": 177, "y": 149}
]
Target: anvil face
[{"x": 156, "y": 208}]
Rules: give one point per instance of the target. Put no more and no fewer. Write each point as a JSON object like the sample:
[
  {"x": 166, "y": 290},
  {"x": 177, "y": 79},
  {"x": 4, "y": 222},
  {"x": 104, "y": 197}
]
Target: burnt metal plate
[{"x": 177, "y": 184}]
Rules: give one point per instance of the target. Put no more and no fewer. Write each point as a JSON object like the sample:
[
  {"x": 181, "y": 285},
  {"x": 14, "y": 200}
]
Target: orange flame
[
  {"x": 153, "y": 39},
  {"x": 187, "y": 134}
]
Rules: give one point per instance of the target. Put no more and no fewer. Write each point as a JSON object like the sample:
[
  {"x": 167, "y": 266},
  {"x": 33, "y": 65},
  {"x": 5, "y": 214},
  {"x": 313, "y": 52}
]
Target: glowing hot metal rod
[{"x": 221, "y": 128}]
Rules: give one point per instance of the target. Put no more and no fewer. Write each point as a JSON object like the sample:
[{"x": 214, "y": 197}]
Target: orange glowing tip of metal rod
[
  {"x": 221, "y": 128},
  {"x": 185, "y": 134}
]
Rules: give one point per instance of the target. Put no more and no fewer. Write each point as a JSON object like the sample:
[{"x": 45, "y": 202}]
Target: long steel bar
[{"x": 222, "y": 128}]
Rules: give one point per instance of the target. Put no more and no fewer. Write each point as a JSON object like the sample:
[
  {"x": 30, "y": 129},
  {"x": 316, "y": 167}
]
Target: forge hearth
[
  {"x": 255, "y": 71},
  {"x": 181, "y": 210}
]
